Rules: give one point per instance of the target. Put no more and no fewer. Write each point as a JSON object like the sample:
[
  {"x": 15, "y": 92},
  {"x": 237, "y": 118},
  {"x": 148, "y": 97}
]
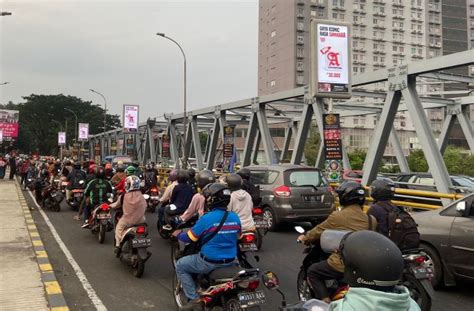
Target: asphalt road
[{"x": 120, "y": 290}]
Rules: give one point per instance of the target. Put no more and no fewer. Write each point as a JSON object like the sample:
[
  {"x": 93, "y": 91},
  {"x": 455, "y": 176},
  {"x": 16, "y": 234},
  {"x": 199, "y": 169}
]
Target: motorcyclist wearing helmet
[
  {"x": 74, "y": 178},
  {"x": 180, "y": 198},
  {"x": 192, "y": 180},
  {"x": 109, "y": 171},
  {"x": 249, "y": 186},
  {"x": 220, "y": 251},
  {"x": 373, "y": 266},
  {"x": 41, "y": 182},
  {"x": 119, "y": 175},
  {"x": 240, "y": 202},
  {"x": 90, "y": 173},
  {"x": 382, "y": 190},
  {"x": 351, "y": 218},
  {"x": 96, "y": 193},
  {"x": 196, "y": 206},
  {"x": 133, "y": 206},
  {"x": 150, "y": 177},
  {"x": 173, "y": 181},
  {"x": 130, "y": 171}
]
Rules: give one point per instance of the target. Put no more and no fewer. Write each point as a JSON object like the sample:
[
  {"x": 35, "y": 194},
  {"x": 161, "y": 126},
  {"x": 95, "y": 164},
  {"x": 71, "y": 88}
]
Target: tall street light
[
  {"x": 75, "y": 116},
  {"x": 105, "y": 106},
  {"x": 185, "y": 117}
]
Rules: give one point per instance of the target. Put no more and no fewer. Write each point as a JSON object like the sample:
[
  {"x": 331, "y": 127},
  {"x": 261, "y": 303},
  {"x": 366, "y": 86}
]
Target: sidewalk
[{"x": 26, "y": 282}]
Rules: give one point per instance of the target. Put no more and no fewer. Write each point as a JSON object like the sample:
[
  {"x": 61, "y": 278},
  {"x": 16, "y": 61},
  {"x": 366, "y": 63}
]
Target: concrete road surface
[{"x": 117, "y": 289}]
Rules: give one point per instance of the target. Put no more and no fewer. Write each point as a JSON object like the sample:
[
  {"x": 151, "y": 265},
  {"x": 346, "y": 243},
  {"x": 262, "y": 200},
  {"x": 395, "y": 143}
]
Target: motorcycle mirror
[
  {"x": 270, "y": 280},
  {"x": 299, "y": 229},
  {"x": 146, "y": 196}
]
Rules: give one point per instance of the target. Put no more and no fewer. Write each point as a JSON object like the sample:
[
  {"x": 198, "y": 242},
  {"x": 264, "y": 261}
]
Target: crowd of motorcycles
[{"x": 232, "y": 288}]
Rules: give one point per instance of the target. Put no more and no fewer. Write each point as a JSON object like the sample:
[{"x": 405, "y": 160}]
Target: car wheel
[
  {"x": 270, "y": 217},
  {"x": 435, "y": 263}
]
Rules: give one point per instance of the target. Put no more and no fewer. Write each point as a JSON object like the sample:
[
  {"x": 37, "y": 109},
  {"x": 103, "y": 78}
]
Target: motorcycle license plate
[
  {"x": 421, "y": 272},
  {"x": 78, "y": 195},
  {"x": 155, "y": 198},
  {"x": 261, "y": 223},
  {"x": 141, "y": 242},
  {"x": 64, "y": 183},
  {"x": 250, "y": 299},
  {"x": 248, "y": 247},
  {"x": 103, "y": 216}
]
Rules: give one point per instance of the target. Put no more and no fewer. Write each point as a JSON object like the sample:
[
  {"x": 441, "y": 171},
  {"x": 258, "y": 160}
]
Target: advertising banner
[
  {"x": 61, "y": 138},
  {"x": 330, "y": 59},
  {"x": 130, "y": 118},
  {"x": 332, "y": 146},
  {"x": 1, "y": 136},
  {"x": 228, "y": 141},
  {"x": 83, "y": 131},
  {"x": 130, "y": 147},
  {"x": 165, "y": 145},
  {"x": 9, "y": 123},
  {"x": 113, "y": 147}
]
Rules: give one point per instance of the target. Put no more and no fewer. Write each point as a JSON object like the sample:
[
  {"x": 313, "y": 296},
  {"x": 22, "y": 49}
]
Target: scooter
[
  {"x": 77, "y": 196},
  {"x": 262, "y": 226},
  {"x": 51, "y": 198},
  {"x": 152, "y": 197},
  {"x": 100, "y": 221}
]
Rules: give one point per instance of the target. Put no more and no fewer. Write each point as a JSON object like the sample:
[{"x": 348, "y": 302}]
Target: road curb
[{"x": 52, "y": 288}]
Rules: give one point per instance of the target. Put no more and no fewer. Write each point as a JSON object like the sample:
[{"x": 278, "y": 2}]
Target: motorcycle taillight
[
  {"x": 257, "y": 211},
  {"x": 248, "y": 238},
  {"x": 420, "y": 259},
  {"x": 253, "y": 284},
  {"x": 105, "y": 207},
  {"x": 141, "y": 229}
]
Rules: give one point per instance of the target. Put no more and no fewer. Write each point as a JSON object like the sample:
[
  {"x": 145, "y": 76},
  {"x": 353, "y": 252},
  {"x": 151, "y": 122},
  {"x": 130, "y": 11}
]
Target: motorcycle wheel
[
  {"x": 102, "y": 231},
  {"x": 163, "y": 233},
  {"x": 139, "y": 268},
  {"x": 258, "y": 239},
  {"x": 179, "y": 297},
  {"x": 174, "y": 253},
  {"x": 56, "y": 207},
  {"x": 417, "y": 292},
  {"x": 304, "y": 291}
]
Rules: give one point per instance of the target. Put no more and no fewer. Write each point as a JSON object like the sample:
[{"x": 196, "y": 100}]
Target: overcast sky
[{"x": 68, "y": 47}]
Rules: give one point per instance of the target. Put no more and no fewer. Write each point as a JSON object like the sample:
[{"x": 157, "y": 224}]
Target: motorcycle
[
  {"x": 133, "y": 248},
  {"x": 100, "y": 221},
  {"x": 77, "y": 195},
  {"x": 30, "y": 184},
  {"x": 152, "y": 197},
  {"x": 51, "y": 198},
  {"x": 417, "y": 275},
  {"x": 262, "y": 226},
  {"x": 167, "y": 230},
  {"x": 231, "y": 288}
]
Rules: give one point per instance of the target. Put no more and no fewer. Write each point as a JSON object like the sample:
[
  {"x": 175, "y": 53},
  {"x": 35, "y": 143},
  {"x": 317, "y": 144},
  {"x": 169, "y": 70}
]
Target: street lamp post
[
  {"x": 75, "y": 116},
  {"x": 105, "y": 106},
  {"x": 185, "y": 117}
]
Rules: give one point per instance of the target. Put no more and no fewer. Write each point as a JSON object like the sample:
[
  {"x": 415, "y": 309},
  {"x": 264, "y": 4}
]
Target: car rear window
[
  {"x": 123, "y": 159},
  {"x": 304, "y": 178},
  {"x": 263, "y": 177},
  {"x": 463, "y": 182}
]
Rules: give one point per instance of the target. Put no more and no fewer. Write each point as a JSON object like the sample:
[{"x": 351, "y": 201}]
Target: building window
[
  {"x": 313, "y": 13},
  {"x": 299, "y": 80},
  {"x": 300, "y": 26},
  {"x": 273, "y": 34},
  {"x": 300, "y": 40},
  {"x": 300, "y": 52},
  {"x": 299, "y": 66},
  {"x": 272, "y": 83}
]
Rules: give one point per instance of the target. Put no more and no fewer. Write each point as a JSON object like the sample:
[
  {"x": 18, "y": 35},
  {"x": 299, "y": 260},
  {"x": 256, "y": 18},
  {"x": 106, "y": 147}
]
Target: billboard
[
  {"x": 331, "y": 66},
  {"x": 228, "y": 141},
  {"x": 130, "y": 118},
  {"x": 83, "y": 131},
  {"x": 9, "y": 123},
  {"x": 61, "y": 138},
  {"x": 332, "y": 146}
]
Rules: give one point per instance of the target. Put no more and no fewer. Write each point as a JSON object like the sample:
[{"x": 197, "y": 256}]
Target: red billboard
[{"x": 9, "y": 122}]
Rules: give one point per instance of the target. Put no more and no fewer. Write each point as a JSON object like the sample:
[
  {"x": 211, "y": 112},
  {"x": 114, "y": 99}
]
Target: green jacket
[{"x": 359, "y": 298}]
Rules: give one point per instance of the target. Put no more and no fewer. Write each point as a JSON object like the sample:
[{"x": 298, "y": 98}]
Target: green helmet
[{"x": 131, "y": 170}]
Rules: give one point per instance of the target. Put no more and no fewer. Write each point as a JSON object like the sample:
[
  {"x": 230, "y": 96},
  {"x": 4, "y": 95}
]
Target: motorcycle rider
[
  {"x": 119, "y": 175},
  {"x": 150, "y": 177},
  {"x": 240, "y": 202},
  {"x": 351, "y": 218},
  {"x": 133, "y": 205},
  {"x": 90, "y": 173},
  {"x": 181, "y": 197},
  {"x": 138, "y": 171},
  {"x": 382, "y": 191},
  {"x": 24, "y": 172},
  {"x": 73, "y": 179},
  {"x": 95, "y": 194},
  {"x": 109, "y": 172},
  {"x": 249, "y": 186},
  {"x": 192, "y": 180},
  {"x": 197, "y": 204},
  {"x": 218, "y": 252},
  {"x": 32, "y": 172},
  {"x": 130, "y": 171},
  {"x": 173, "y": 179},
  {"x": 41, "y": 182},
  {"x": 373, "y": 266}
]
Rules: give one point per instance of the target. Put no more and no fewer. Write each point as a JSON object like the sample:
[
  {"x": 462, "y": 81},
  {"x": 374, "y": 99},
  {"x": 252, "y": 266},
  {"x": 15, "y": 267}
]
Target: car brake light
[
  {"x": 253, "y": 284},
  {"x": 257, "y": 211},
  {"x": 248, "y": 238},
  {"x": 141, "y": 229},
  {"x": 105, "y": 207},
  {"x": 282, "y": 191}
]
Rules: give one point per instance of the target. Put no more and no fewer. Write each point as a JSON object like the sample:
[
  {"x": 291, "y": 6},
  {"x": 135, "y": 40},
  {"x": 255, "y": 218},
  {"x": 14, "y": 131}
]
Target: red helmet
[{"x": 92, "y": 168}]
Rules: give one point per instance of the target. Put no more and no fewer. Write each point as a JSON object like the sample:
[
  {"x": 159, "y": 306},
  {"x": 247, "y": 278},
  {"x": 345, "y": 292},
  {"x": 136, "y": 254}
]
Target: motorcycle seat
[{"x": 224, "y": 273}]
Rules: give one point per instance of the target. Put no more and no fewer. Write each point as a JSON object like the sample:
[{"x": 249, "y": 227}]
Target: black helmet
[
  {"x": 244, "y": 173},
  {"x": 77, "y": 165},
  {"x": 371, "y": 260},
  {"x": 182, "y": 176},
  {"x": 234, "y": 182},
  {"x": 135, "y": 164},
  {"x": 120, "y": 168},
  {"x": 204, "y": 178},
  {"x": 382, "y": 189},
  {"x": 44, "y": 172},
  {"x": 99, "y": 172},
  {"x": 149, "y": 167},
  {"x": 192, "y": 173},
  {"x": 351, "y": 192},
  {"x": 217, "y": 196},
  {"x": 68, "y": 162}
]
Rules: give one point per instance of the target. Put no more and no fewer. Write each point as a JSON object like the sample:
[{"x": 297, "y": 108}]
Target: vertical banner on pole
[
  {"x": 165, "y": 149},
  {"x": 332, "y": 146},
  {"x": 130, "y": 118},
  {"x": 228, "y": 146},
  {"x": 129, "y": 146},
  {"x": 83, "y": 131},
  {"x": 61, "y": 138},
  {"x": 1, "y": 136},
  {"x": 113, "y": 146}
]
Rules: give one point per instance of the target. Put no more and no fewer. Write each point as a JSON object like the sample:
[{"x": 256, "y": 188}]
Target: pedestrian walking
[
  {"x": 3, "y": 166},
  {"x": 12, "y": 164}
]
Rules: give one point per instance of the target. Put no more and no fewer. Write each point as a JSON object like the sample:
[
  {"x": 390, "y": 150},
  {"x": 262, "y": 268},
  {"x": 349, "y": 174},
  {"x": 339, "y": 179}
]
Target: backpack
[{"x": 402, "y": 228}]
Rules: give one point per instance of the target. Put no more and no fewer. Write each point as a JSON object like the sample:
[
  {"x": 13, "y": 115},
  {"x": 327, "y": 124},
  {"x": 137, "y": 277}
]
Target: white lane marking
[{"x": 82, "y": 277}]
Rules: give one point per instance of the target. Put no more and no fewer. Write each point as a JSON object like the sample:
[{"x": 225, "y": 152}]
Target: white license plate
[
  {"x": 103, "y": 216},
  {"x": 155, "y": 198},
  {"x": 248, "y": 247},
  {"x": 78, "y": 195},
  {"x": 64, "y": 183},
  {"x": 261, "y": 223},
  {"x": 250, "y": 299},
  {"x": 141, "y": 242}
]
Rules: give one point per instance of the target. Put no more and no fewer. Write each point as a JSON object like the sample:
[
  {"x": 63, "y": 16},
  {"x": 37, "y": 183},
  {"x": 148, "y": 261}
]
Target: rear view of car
[{"x": 292, "y": 193}]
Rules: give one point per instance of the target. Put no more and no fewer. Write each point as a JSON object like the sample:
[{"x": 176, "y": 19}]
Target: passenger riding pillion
[
  {"x": 350, "y": 218},
  {"x": 217, "y": 233},
  {"x": 180, "y": 199},
  {"x": 240, "y": 202},
  {"x": 248, "y": 186}
]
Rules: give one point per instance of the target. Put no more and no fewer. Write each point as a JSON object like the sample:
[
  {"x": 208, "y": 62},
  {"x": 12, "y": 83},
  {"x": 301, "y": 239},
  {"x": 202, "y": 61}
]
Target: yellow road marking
[
  {"x": 37, "y": 243},
  {"x": 41, "y": 254},
  {"x": 46, "y": 267},
  {"x": 52, "y": 288}
]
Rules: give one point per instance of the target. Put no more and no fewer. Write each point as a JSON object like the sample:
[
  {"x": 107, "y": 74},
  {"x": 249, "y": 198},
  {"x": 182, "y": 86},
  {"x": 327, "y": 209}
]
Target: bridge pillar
[
  {"x": 397, "y": 148},
  {"x": 461, "y": 113},
  {"x": 173, "y": 140},
  {"x": 250, "y": 139},
  {"x": 265, "y": 133},
  {"x": 219, "y": 121}
]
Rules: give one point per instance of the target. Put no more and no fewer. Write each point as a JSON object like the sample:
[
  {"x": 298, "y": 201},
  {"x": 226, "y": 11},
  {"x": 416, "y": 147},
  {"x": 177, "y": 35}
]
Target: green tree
[
  {"x": 39, "y": 133},
  {"x": 457, "y": 161},
  {"x": 416, "y": 161},
  {"x": 311, "y": 147},
  {"x": 357, "y": 158}
]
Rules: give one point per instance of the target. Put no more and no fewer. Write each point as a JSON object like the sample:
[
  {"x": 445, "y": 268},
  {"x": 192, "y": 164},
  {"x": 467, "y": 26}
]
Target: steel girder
[{"x": 460, "y": 112}]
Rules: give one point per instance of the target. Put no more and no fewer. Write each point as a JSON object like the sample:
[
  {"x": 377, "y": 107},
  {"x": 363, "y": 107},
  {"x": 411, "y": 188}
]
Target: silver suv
[{"x": 292, "y": 193}]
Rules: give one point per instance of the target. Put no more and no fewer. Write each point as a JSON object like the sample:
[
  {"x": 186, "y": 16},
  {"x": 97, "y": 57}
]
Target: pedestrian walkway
[{"x": 21, "y": 285}]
